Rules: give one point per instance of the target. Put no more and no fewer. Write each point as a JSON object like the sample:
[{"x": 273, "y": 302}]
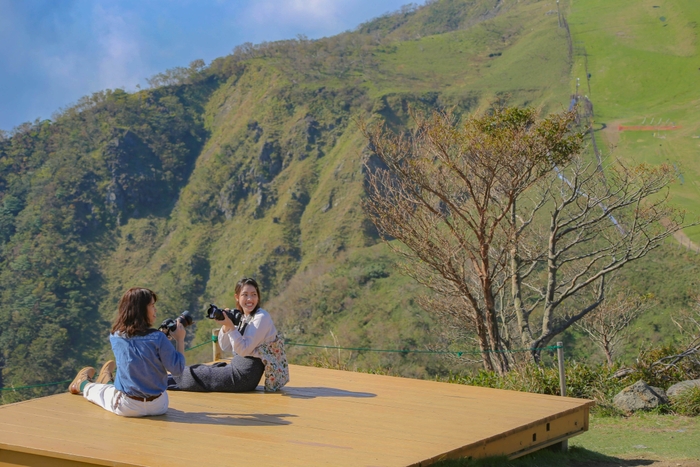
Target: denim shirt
[{"x": 143, "y": 363}]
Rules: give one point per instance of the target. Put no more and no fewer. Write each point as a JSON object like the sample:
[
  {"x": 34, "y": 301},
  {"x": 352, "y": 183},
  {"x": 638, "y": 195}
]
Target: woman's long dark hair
[
  {"x": 239, "y": 286},
  {"x": 132, "y": 317}
]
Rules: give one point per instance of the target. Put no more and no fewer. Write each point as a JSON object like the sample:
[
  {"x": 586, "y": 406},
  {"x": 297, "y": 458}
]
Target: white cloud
[
  {"x": 119, "y": 62},
  {"x": 53, "y": 52},
  {"x": 322, "y": 15},
  {"x": 63, "y": 67}
]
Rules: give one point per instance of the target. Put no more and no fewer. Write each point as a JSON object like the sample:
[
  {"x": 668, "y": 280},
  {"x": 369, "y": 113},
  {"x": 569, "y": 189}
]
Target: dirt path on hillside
[
  {"x": 686, "y": 242},
  {"x": 683, "y": 239}
]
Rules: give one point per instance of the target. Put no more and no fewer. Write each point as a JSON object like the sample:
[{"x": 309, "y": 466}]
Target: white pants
[{"x": 110, "y": 398}]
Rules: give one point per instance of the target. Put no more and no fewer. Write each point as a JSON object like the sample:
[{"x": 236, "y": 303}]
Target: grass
[
  {"x": 613, "y": 442},
  {"x": 651, "y": 435},
  {"x": 643, "y": 62},
  {"x": 687, "y": 402},
  {"x": 521, "y": 53}
]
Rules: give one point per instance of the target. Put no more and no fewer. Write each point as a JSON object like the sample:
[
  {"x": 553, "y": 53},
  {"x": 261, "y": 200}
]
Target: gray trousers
[{"x": 241, "y": 374}]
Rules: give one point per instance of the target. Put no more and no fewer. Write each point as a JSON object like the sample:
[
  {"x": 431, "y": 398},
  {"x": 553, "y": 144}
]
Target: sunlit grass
[{"x": 644, "y": 67}]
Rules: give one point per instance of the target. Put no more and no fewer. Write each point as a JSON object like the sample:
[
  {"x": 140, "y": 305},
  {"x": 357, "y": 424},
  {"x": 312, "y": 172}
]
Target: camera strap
[{"x": 244, "y": 323}]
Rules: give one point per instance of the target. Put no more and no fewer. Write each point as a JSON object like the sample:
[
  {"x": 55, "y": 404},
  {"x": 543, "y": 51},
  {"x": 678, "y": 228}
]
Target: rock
[
  {"x": 268, "y": 148},
  {"x": 312, "y": 129},
  {"x": 259, "y": 197},
  {"x": 678, "y": 388},
  {"x": 328, "y": 206},
  {"x": 640, "y": 396},
  {"x": 255, "y": 130}
]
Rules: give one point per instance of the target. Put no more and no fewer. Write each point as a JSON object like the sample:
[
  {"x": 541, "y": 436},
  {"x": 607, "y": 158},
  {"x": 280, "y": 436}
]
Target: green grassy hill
[
  {"x": 644, "y": 66},
  {"x": 638, "y": 63},
  {"x": 253, "y": 165}
]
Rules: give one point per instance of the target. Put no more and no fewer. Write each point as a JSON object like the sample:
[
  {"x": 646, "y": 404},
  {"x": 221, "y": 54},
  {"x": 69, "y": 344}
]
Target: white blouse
[{"x": 260, "y": 330}]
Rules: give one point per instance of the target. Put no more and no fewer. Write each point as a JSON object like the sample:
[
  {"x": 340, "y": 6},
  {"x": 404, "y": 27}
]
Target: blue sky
[{"x": 52, "y": 52}]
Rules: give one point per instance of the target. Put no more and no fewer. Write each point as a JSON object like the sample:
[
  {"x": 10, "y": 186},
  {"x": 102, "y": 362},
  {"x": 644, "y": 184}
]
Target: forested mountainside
[{"x": 249, "y": 166}]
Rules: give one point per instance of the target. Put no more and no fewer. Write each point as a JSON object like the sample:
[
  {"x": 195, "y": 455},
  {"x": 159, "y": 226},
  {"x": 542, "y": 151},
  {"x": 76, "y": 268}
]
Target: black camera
[
  {"x": 169, "y": 325},
  {"x": 216, "y": 313}
]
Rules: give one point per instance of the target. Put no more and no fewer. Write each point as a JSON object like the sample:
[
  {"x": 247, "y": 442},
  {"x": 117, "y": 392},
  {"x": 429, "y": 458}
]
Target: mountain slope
[
  {"x": 252, "y": 165},
  {"x": 639, "y": 63}
]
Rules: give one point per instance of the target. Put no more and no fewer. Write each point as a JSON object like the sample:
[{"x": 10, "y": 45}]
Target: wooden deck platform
[{"x": 323, "y": 417}]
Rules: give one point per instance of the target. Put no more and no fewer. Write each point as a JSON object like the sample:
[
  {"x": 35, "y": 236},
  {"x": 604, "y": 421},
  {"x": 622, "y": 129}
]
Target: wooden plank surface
[{"x": 323, "y": 417}]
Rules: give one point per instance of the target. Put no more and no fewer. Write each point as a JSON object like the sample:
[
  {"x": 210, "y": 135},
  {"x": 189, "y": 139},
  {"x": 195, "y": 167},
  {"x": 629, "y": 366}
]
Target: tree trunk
[
  {"x": 516, "y": 292},
  {"x": 491, "y": 319},
  {"x": 498, "y": 357},
  {"x": 607, "y": 348},
  {"x": 483, "y": 340}
]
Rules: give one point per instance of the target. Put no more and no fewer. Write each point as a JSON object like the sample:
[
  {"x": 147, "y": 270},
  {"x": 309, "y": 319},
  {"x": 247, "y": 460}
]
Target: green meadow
[
  {"x": 638, "y": 63},
  {"x": 520, "y": 55},
  {"x": 645, "y": 439}
]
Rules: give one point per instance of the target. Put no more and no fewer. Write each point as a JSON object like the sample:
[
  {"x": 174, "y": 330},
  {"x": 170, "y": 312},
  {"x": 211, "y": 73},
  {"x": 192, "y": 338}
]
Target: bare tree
[
  {"x": 674, "y": 362},
  {"x": 445, "y": 192},
  {"x": 607, "y": 325},
  {"x": 575, "y": 229},
  {"x": 505, "y": 203},
  {"x": 688, "y": 320}
]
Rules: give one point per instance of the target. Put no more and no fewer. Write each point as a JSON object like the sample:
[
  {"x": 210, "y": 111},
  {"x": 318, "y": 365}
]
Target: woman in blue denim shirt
[{"x": 144, "y": 357}]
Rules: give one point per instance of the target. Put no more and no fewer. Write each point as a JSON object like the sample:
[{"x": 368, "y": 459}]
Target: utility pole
[{"x": 562, "y": 384}]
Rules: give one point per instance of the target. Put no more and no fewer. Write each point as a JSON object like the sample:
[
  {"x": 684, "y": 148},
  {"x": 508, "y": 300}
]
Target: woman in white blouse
[{"x": 246, "y": 368}]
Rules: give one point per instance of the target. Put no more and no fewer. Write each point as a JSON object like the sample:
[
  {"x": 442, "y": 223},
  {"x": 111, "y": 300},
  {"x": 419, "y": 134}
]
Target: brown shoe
[
  {"x": 106, "y": 374},
  {"x": 85, "y": 374}
]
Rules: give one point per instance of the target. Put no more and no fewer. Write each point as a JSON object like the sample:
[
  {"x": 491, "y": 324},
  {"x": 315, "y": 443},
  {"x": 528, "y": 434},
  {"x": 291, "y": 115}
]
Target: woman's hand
[
  {"x": 179, "y": 336},
  {"x": 227, "y": 324}
]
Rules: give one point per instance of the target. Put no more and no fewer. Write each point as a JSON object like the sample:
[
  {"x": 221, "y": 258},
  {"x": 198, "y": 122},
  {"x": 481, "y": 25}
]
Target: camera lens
[
  {"x": 215, "y": 313},
  {"x": 235, "y": 317},
  {"x": 170, "y": 325},
  {"x": 185, "y": 318}
]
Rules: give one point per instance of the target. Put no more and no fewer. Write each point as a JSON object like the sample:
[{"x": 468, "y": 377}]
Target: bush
[
  {"x": 585, "y": 381},
  {"x": 662, "y": 375},
  {"x": 687, "y": 402}
]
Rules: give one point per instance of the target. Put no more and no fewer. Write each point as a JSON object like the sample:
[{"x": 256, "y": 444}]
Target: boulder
[
  {"x": 640, "y": 396},
  {"x": 678, "y": 388}
]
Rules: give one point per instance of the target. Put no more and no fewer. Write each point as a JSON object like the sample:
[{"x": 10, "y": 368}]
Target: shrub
[
  {"x": 664, "y": 375},
  {"x": 583, "y": 380},
  {"x": 687, "y": 402}
]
